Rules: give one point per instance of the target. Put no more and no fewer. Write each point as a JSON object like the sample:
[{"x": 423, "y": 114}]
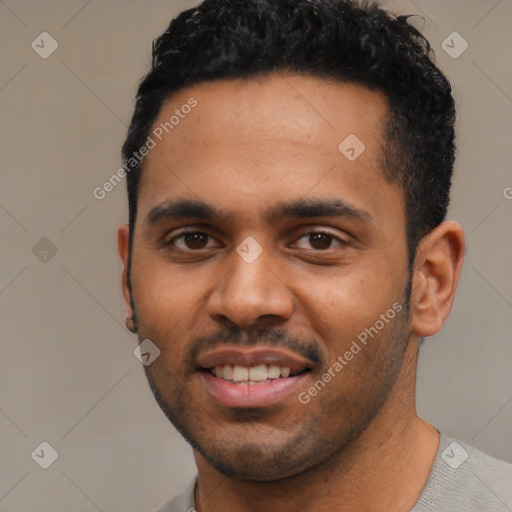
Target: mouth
[
  {"x": 258, "y": 377},
  {"x": 259, "y": 374}
]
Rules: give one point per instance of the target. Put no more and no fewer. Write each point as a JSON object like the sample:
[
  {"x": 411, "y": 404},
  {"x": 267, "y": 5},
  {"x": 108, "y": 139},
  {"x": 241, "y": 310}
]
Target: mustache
[{"x": 306, "y": 347}]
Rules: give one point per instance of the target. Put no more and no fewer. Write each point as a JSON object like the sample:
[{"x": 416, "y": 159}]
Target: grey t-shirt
[{"x": 463, "y": 479}]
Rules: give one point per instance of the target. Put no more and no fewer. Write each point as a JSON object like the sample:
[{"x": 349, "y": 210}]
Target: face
[{"x": 270, "y": 270}]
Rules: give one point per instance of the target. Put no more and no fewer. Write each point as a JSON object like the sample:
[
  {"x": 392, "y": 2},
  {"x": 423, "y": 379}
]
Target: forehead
[{"x": 248, "y": 144}]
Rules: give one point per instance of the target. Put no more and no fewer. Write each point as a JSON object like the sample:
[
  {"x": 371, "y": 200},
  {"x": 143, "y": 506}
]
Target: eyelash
[{"x": 306, "y": 234}]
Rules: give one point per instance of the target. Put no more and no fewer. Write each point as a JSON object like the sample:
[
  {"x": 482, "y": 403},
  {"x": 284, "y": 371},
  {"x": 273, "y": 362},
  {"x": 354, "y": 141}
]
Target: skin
[{"x": 248, "y": 145}]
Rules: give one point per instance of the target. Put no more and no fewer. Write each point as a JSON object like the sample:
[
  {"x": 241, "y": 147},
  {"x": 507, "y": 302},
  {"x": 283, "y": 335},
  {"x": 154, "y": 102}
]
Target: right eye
[{"x": 190, "y": 240}]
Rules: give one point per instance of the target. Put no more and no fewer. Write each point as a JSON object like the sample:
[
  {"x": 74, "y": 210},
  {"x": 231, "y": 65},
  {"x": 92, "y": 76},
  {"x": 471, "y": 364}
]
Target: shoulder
[
  {"x": 464, "y": 478},
  {"x": 182, "y": 502}
]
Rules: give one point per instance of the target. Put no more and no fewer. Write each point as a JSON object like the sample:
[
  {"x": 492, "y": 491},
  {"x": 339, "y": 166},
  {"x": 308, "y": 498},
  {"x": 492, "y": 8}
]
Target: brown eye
[
  {"x": 190, "y": 240},
  {"x": 195, "y": 240},
  {"x": 320, "y": 241}
]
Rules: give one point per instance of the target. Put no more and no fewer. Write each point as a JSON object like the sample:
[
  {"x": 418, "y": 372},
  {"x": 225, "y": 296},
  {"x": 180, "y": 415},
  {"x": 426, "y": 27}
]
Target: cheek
[
  {"x": 167, "y": 298},
  {"x": 343, "y": 304}
]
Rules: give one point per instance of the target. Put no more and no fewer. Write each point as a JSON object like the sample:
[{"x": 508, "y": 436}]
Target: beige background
[{"x": 67, "y": 371}]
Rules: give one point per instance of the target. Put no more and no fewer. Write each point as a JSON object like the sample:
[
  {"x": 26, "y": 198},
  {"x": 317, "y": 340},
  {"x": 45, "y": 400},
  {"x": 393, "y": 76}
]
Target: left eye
[{"x": 321, "y": 240}]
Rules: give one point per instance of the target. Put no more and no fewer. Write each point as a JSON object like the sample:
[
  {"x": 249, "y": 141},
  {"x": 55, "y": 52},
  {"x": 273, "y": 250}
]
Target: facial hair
[{"x": 314, "y": 439}]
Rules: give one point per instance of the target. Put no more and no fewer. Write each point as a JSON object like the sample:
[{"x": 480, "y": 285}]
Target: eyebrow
[{"x": 299, "y": 209}]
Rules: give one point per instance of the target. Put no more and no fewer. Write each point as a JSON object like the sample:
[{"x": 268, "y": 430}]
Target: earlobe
[
  {"x": 123, "y": 248},
  {"x": 130, "y": 325},
  {"x": 437, "y": 268}
]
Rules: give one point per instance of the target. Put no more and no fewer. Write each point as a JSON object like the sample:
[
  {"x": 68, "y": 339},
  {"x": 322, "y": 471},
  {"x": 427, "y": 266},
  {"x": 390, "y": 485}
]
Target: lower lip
[{"x": 250, "y": 396}]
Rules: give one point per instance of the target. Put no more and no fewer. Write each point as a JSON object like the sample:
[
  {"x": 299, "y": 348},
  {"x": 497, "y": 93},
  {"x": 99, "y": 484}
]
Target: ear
[
  {"x": 123, "y": 248},
  {"x": 437, "y": 268}
]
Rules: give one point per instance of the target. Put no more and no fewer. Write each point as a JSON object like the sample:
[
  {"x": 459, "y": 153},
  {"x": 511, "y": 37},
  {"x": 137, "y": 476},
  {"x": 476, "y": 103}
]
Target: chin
[{"x": 252, "y": 463}]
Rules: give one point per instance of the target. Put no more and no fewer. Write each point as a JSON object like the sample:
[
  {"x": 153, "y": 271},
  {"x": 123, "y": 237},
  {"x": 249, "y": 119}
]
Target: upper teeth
[{"x": 254, "y": 374}]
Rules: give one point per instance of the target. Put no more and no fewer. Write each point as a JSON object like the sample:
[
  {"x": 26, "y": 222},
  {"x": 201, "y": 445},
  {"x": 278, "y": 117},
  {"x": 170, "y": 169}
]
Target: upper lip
[{"x": 254, "y": 356}]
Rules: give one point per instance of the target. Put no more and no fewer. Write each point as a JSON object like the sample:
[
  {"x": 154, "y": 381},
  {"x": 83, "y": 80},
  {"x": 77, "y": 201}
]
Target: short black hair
[{"x": 345, "y": 40}]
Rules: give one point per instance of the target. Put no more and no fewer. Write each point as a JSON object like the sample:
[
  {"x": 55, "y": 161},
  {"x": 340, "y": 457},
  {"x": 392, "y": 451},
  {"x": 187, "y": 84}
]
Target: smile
[
  {"x": 251, "y": 378},
  {"x": 255, "y": 375}
]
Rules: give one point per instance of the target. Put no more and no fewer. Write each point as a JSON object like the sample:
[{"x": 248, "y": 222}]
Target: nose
[{"x": 249, "y": 294}]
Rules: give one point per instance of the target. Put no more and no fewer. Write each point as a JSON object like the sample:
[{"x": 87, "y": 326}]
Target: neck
[{"x": 384, "y": 469}]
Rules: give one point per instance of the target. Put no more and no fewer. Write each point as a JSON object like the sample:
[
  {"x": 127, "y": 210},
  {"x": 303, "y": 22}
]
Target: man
[{"x": 289, "y": 165}]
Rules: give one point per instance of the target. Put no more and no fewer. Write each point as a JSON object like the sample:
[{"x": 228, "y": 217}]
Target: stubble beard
[{"x": 313, "y": 441}]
